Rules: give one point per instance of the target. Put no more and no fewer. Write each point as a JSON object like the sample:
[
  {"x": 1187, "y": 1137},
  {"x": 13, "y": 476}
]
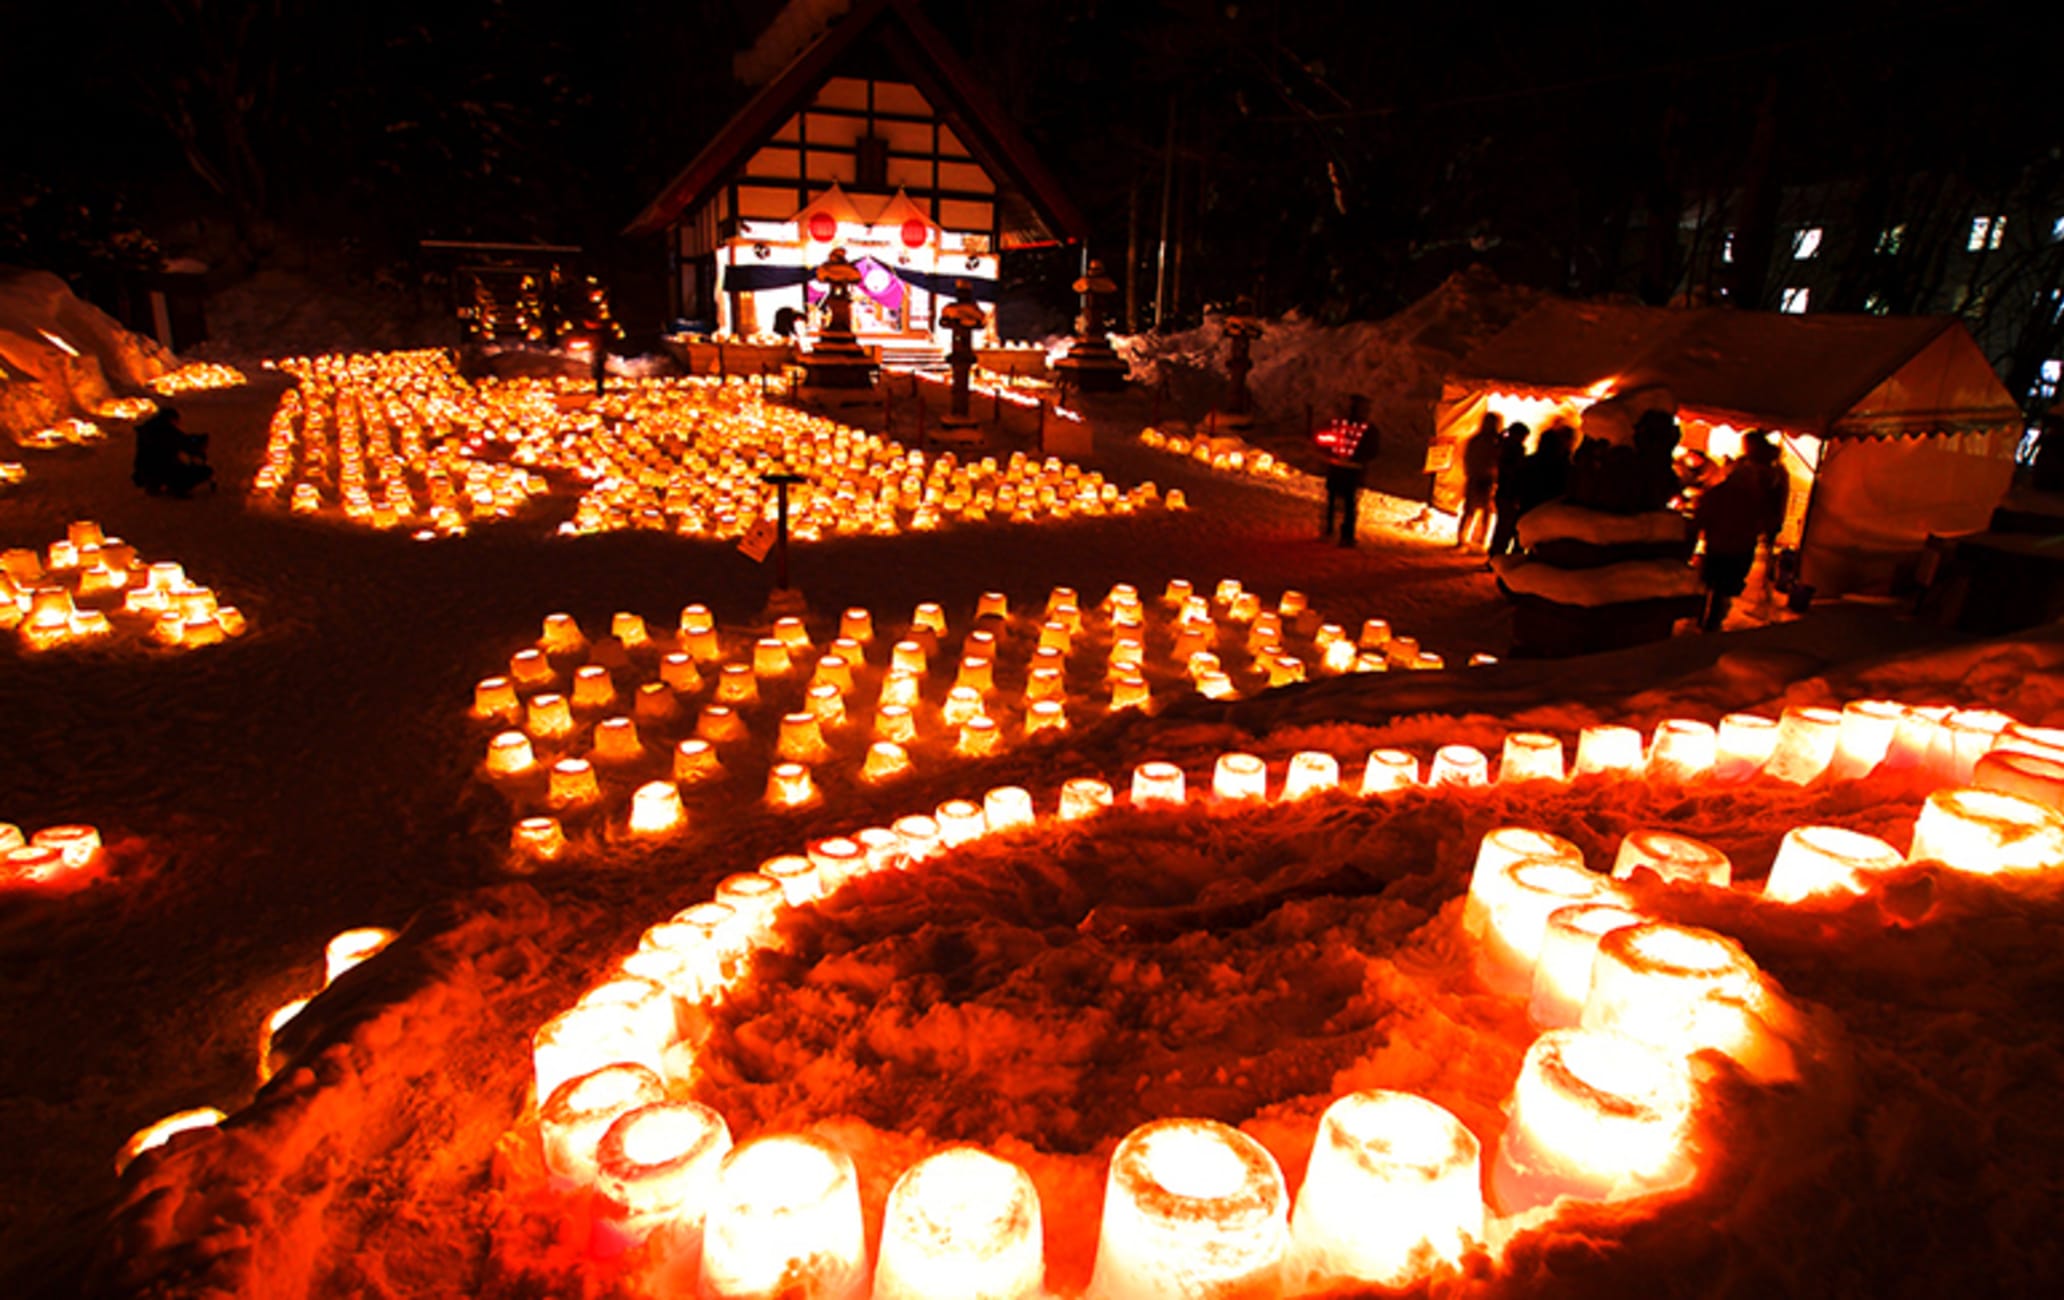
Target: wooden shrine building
[{"x": 876, "y": 138}]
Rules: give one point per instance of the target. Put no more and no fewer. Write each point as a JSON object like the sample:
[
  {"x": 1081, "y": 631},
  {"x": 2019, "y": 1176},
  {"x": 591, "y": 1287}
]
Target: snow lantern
[
  {"x": 1311, "y": 772},
  {"x": 1084, "y": 796},
  {"x": 695, "y": 761},
  {"x": 1987, "y": 832},
  {"x": 928, "y": 616},
  {"x": 616, "y": 741},
  {"x": 656, "y": 809},
  {"x": 826, "y": 704},
  {"x": 698, "y": 634},
  {"x": 2022, "y": 738},
  {"x": 1827, "y": 861},
  {"x": 1615, "y": 750},
  {"x": 1390, "y": 770},
  {"x": 573, "y": 784},
  {"x": 1191, "y": 1208},
  {"x": 738, "y": 685},
  {"x": 657, "y": 1164},
  {"x": 562, "y": 635},
  {"x": 1865, "y": 736},
  {"x": 1682, "y": 749},
  {"x": 907, "y": 657},
  {"x": 754, "y": 900},
  {"x": 1499, "y": 849},
  {"x": 77, "y": 845},
  {"x": 593, "y": 688},
  {"x": 1681, "y": 990},
  {"x": 1045, "y": 715},
  {"x": 835, "y": 671},
  {"x": 962, "y": 703},
  {"x": 992, "y": 604},
  {"x": 801, "y": 739},
  {"x": 770, "y": 657},
  {"x": 1459, "y": 765},
  {"x": 530, "y": 668},
  {"x": 153, "y": 1136},
  {"x": 789, "y": 786},
  {"x": 791, "y": 633},
  {"x": 1806, "y": 739},
  {"x": 856, "y": 624},
  {"x": 720, "y": 723},
  {"x": 1677, "y": 859},
  {"x": 1970, "y": 734},
  {"x": 1129, "y": 691},
  {"x": 920, "y": 836},
  {"x": 960, "y": 821},
  {"x": 1393, "y": 1191},
  {"x": 629, "y": 630},
  {"x": 1530, "y": 756},
  {"x": 1007, "y": 807},
  {"x": 1517, "y": 903},
  {"x": 538, "y": 838},
  {"x": 881, "y": 847},
  {"x": 961, "y": 1225},
  {"x": 1157, "y": 784},
  {"x": 495, "y": 697},
  {"x": 1569, "y": 948},
  {"x": 583, "y": 1039},
  {"x": 796, "y": 875},
  {"x": 352, "y": 948},
  {"x": 649, "y": 1001},
  {"x": 979, "y": 736},
  {"x": 1745, "y": 745},
  {"x": 549, "y": 717},
  {"x": 571, "y": 1123},
  {"x": 1594, "y": 1116},
  {"x": 785, "y": 1219},
  {"x": 1239, "y": 778},
  {"x": 2034, "y": 777}
]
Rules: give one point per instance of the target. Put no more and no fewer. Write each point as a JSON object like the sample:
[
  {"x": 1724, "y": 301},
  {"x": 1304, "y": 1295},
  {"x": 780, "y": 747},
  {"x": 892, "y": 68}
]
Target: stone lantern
[
  {"x": 836, "y": 360},
  {"x": 1091, "y": 364},
  {"x": 963, "y": 317}
]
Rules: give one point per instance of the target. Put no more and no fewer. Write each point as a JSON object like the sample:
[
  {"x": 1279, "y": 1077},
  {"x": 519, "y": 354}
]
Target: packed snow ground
[{"x": 319, "y": 775}]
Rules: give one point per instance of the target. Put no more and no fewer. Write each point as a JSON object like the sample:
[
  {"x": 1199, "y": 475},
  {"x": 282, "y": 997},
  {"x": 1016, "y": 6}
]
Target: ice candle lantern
[
  {"x": 1393, "y": 1191},
  {"x": 961, "y": 1225},
  {"x": 1594, "y": 1116},
  {"x": 785, "y": 1219},
  {"x": 1191, "y": 1208}
]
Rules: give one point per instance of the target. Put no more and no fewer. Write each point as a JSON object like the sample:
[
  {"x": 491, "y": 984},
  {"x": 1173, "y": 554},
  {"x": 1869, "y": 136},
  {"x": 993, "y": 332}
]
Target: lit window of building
[
  {"x": 1890, "y": 238},
  {"x": 1794, "y": 300},
  {"x": 1806, "y": 243},
  {"x": 1986, "y": 233}
]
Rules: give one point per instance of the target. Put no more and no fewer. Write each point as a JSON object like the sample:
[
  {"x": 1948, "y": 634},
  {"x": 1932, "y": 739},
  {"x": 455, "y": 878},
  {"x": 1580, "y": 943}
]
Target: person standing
[
  {"x": 1350, "y": 446},
  {"x": 1479, "y": 480},
  {"x": 1733, "y": 516},
  {"x": 1509, "y": 495}
]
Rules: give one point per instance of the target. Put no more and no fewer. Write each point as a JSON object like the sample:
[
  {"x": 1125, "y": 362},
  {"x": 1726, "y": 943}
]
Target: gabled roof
[
  {"x": 924, "y": 53},
  {"x": 1830, "y": 375}
]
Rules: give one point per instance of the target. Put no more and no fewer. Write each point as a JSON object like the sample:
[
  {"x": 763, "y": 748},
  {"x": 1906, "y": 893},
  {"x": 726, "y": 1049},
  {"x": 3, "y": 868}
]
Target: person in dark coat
[
  {"x": 1733, "y": 516},
  {"x": 168, "y": 458},
  {"x": 1656, "y": 436},
  {"x": 1509, "y": 494},
  {"x": 1547, "y": 472},
  {"x": 1479, "y": 482},
  {"x": 1350, "y": 447}
]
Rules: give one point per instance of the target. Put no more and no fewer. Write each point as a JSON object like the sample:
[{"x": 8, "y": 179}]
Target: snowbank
[
  {"x": 1608, "y": 584},
  {"x": 61, "y": 356}
]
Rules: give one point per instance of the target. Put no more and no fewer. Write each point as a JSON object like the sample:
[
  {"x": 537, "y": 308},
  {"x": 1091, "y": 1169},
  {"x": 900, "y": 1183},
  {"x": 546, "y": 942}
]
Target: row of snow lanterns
[
  {"x": 197, "y": 377},
  {"x": 51, "y": 858},
  {"x": 1224, "y": 454},
  {"x": 970, "y": 711},
  {"x": 346, "y": 951},
  {"x": 1394, "y": 1189},
  {"x": 72, "y": 431},
  {"x": 68, "y": 596}
]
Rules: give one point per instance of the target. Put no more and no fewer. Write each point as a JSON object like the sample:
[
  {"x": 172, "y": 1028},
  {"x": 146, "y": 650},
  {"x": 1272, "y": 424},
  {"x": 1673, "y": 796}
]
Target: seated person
[{"x": 169, "y": 459}]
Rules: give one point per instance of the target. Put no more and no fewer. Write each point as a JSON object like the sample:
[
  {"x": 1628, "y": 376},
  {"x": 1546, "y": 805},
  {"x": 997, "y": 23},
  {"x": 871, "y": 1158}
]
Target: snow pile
[
  {"x": 1397, "y": 364},
  {"x": 1606, "y": 584},
  {"x": 62, "y": 357}
]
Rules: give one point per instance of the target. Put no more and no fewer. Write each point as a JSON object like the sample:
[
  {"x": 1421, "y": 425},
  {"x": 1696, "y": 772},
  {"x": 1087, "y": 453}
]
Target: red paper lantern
[
  {"x": 823, "y": 227},
  {"x": 915, "y": 232}
]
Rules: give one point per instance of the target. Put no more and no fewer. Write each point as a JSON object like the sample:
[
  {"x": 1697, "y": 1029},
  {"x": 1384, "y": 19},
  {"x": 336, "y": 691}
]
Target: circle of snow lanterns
[
  {"x": 1392, "y": 1192},
  {"x": 1191, "y": 1207},
  {"x": 961, "y": 1223}
]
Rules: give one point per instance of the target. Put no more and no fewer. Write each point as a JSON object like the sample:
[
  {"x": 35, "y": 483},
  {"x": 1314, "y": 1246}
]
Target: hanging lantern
[
  {"x": 961, "y": 1225},
  {"x": 1596, "y": 1117},
  {"x": 822, "y": 226},
  {"x": 1393, "y": 1192},
  {"x": 1191, "y": 1208}
]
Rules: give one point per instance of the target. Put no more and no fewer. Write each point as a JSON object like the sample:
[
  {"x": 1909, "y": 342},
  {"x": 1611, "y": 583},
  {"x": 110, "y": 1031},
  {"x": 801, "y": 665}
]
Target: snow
[
  {"x": 62, "y": 357},
  {"x": 1038, "y": 993},
  {"x": 1608, "y": 584}
]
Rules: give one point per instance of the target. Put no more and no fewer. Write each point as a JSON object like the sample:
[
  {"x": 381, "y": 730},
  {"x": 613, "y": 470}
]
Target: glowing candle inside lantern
[
  {"x": 796, "y": 876},
  {"x": 1669, "y": 986},
  {"x": 1389, "y": 770},
  {"x": 538, "y": 838},
  {"x": 785, "y": 1218},
  {"x": 1987, "y": 832},
  {"x": 1682, "y": 749},
  {"x": 572, "y": 1121},
  {"x": 1827, "y": 861},
  {"x": 1007, "y": 807},
  {"x": 1569, "y": 948},
  {"x": 1191, "y": 1208},
  {"x": 1239, "y": 778},
  {"x": 1310, "y": 772},
  {"x": 1675, "y": 858},
  {"x": 2037, "y": 778},
  {"x": 960, "y": 821},
  {"x": 1530, "y": 756},
  {"x": 352, "y": 948},
  {"x": 656, "y": 809},
  {"x": 495, "y": 697},
  {"x": 1595, "y": 1116},
  {"x": 153, "y": 1136},
  {"x": 1746, "y": 741},
  {"x": 1806, "y": 740},
  {"x": 1517, "y": 902},
  {"x": 1459, "y": 765},
  {"x": 857, "y": 624},
  {"x": 585, "y": 1038},
  {"x": 1084, "y": 796},
  {"x": 961, "y": 1225},
  {"x": 1615, "y": 750},
  {"x": 1865, "y": 736},
  {"x": 1157, "y": 784},
  {"x": 1393, "y": 1192},
  {"x": 1499, "y": 849},
  {"x": 658, "y": 1164},
  {"x": 789, "y": 786}
]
